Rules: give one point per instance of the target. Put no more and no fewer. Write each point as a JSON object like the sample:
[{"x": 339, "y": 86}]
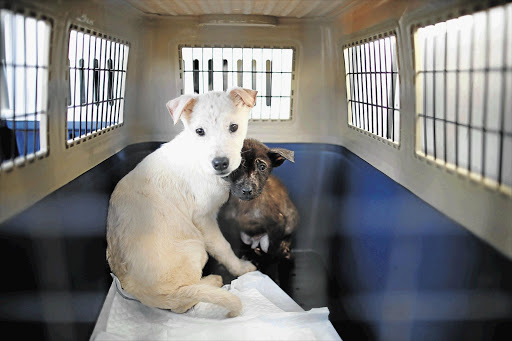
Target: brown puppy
[{"x": 259, "y": 206}]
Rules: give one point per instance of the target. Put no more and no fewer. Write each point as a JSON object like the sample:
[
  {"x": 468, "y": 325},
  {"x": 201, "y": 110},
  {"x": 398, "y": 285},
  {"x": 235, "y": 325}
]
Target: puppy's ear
[
  {"x": 279, "y": 155},
  {"x": 243, "y": 96},
  {"x": 182, "y": 105}
]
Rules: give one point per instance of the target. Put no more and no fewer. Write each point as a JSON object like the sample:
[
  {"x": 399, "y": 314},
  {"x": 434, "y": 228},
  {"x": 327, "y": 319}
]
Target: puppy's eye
[
  {"x": 233, "y": 127},
  {"x": 200, "y": 131},
  {"x": 262, "y": 167}
]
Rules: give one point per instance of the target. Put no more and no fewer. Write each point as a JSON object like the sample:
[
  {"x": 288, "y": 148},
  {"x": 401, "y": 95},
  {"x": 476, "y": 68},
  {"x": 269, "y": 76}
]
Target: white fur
[{"x": 162, "y": 215}]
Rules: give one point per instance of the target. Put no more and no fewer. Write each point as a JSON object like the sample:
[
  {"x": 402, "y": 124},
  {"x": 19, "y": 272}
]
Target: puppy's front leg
[{"x": 220, "y": 249}]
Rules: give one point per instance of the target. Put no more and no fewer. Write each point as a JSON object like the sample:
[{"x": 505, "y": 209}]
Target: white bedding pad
[{"x": 268, "y": 314}]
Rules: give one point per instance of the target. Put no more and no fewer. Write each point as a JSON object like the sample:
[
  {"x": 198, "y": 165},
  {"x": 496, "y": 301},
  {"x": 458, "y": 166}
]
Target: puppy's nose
[
  {"x": 220, "y": 163},
  {"x": 247, "y": 191}
]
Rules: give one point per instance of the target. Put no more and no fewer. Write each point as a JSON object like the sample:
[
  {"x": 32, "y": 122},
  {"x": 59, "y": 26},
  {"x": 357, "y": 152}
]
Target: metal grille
[
  {"x": 268, "y": 70},
  {"x": 464, "y": 94},
  {"x": 24, "y": 61},
  {"x": 373, "y": 87},
  {"x": 97, "y": 76}
]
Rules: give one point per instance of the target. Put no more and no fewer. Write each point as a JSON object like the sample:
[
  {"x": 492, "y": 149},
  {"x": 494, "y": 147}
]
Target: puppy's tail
[{"x": 212, "y": 294}]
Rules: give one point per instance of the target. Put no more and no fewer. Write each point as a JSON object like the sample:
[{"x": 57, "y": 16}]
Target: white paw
[{"x": 245, "y": 267}]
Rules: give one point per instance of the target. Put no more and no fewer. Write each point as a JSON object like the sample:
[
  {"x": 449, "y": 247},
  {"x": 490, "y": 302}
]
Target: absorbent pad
[{"x": 268, "y": 314}]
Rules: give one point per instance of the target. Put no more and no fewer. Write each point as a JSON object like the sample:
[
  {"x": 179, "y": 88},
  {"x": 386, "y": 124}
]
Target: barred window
[
  {"x": 97, "y": 77},
  {"x": 24, "y": 62},
  {"x": 464, "y": 94},
  {"x": 373, "y": 86},
  {"x": 270, "y": 71}
]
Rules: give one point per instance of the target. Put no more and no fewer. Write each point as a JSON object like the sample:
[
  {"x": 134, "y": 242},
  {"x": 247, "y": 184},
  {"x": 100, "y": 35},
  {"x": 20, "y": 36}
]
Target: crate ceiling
[{"x": 276, "y": 8}]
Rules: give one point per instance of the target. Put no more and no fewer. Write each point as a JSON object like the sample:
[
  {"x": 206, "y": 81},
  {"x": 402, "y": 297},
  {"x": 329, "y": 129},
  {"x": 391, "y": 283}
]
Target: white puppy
[{"x": 162, "y": 217}]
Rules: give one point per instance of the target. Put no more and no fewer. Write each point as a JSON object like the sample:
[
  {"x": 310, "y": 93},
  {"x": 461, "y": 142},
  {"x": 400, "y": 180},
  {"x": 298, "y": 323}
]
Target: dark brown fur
[{"x": 259, "y": 202}]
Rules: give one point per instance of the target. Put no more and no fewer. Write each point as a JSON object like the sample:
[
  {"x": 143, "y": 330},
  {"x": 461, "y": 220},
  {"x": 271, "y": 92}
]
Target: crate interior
[{"x": 402, "y": 133}]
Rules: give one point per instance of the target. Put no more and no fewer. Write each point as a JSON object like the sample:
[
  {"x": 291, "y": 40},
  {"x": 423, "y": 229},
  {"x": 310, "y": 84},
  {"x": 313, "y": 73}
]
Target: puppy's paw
[
  {"x": 245, "y": 267},
  {"x": 214, "y": 280},
  {"x": 235, "y": 306},
  {"x": 233, "y": 314}
]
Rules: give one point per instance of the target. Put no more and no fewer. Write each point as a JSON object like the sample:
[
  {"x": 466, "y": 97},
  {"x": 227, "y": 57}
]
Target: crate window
[
  {"x": 24, "y": 61},
  {"x": 373, "y": 86},
  {"x": 464, "y": 94},
  {"x": 97, "y": 77},
  {"x": 268, "y": 70}
]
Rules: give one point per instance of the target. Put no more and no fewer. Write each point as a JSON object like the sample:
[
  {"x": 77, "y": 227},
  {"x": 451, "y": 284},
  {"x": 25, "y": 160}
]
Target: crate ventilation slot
[
  {"x": 268, "y": 70},
  {"x": 24, "y": 62},
  {"x": 373, "y": 86},
  {"x": 464, "y": 95},
  {"x": 97, "y": 77}
]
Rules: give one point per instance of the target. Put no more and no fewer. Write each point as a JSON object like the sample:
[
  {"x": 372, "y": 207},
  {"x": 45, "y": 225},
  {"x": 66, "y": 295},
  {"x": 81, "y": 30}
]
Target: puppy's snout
[
  {"x": 247, "y": 190},
  {"x": 220, "y": 163}
]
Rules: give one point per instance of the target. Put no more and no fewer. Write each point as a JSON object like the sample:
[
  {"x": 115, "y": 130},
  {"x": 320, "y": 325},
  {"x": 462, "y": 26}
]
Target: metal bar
[
  {"x": 95, "y": 85},
  {"x": 255, "y": 72},
  {"x": 105, "y": 80},
  {"x": 195, "y": 75},
  {"x": 99, "y": 108},
  {"x": 224, "y": 72},
  {"x": 386, "y": 72},
  {"x": 254, "y": 66},
  {"x": 374, "y": 98},
  {"x": 25, "y": 129},
  {"x": 74, "y": 85},
  {"x": 425, "y": 96},
  {"x": 352, "y": 83},
  {"x": 503, "y": 101},
  {"x": 372, "y": 129},
  {"x": 434, "y": 96},
  {"x": 239, "y": 75},
  {"x": 204, "y": 70},
  {"x": 367, "y": 112},
  {"x": 210, "y": 73},
  {"x": 115, "y": 106},
  {"x": 485, "y": 94},
  {"x": 439, "y": 119},
  {"x": 14, "y": 149},
  {"x": 457, "y": 76},
  {"x": 374, "y": 105},
  {"x": 87, "y": 89},
  {"x": 280, "y": 88},
  {"x": 112, "y": 86},
  {"x": 391, "y": 50},
  {"x": 81, "y": 72},
  {"x": 27, "y": 66},
  {"x": 113, "y": 89},
  {"x": 355, "y": 87},
  {"x": 445, "y": 93},
  {"x": 362, "y": 107},
  {"x": 82, "y": 85},
  {"x": 360, "y": 87},
  {"x": 470, "y": 97},
  {"x": 475, "y": 70},
  {"x": 233, "y": 65},
  {"x": 123, "y": 75},
  {"x": 96, "y": 90},
  {"x": 269, "y": 83},
  {"x": 381, "y": 91},
  {"x": 103, "y": 101},
  {"x": 36, "y": 129}
]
